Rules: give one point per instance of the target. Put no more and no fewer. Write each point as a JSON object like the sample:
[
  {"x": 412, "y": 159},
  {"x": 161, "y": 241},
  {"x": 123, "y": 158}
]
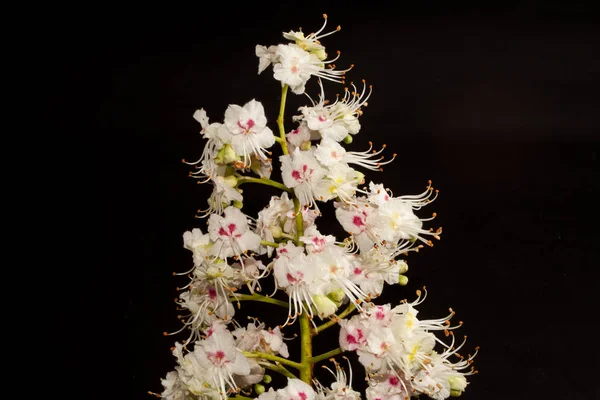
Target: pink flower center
[
  {"x": 246, "y": 126},
  {"x": 229, "y": 232},
  {"x": 356, "y": 220},
  {"x": 292, "y": 279},
  {"x": 217, "y": 358},
  {"x": 379, "y": 315}
]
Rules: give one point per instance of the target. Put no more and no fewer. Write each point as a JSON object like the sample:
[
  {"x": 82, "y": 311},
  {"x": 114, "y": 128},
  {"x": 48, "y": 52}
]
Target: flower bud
[
  {"x": 230, "y": 180},
  {"x": 226, "y": 155},
  {"x": 275, "y": 231},
  {"x": 325, "y": 307},
  {"x": 458, "y": 383},
  {"x": 402, "y": 280},
  {"x": 320, "y": 53},
  {"x": 305, "y": 146},
  {"x": 348, "y": 139},
  {"x": 337, "y": 296},
  {"x": 267, "y": 379},
  {"x": 259, "y": 389},
  {"x": 238, "y": 204},
  {"x": 403, "y": 266}
]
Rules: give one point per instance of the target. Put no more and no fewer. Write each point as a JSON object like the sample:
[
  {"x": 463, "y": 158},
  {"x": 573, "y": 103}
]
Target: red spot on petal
[
  {"x": 296, "y": 175},
  {"x": 351, "y": 339},
  {"x": 356, "y": 220},
  {"x": 231, "y": 228}
]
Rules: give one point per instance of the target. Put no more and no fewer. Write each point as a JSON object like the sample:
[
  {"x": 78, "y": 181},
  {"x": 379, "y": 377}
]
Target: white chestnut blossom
[
  {"x": 219, "y": 357},
  {"x": 329, "y": 153},
  {"x": 198, "y": 243},
  {"x": 340, "y": 388},
  {"x": 224, "y": 193},
  {"x": 296, "y": 390},
  {"x": 302, "y": 172},
  {"x": 311, "y": 42},
  {"x": 209, "y": 370},
  {"x": 380, "y": 219},
  {"x": 375, "y": 267},
  {"x": 298, "y": 137},
  {"x": 206, "y": 165},
  {"x": 294, "y": 63},
  {"x": 340, "y": 181},
  {"x": 337, "y": 120},
  {"x": 266, "y": 56},
  {"x": 245, "y": 128},
  {"x": 394, "y": 342},
  {"x": 230, "y": 234}
]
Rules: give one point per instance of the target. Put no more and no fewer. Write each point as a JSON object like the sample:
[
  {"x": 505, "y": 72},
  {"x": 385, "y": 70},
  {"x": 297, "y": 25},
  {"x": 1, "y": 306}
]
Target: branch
[
  {"x": 271, "y": 357},
  {"x": 334, "y": 320},
  {"x": 264, "y": 181},
  {"x": 259, "y": 297},
  {"x": 267, "y": 243},
  {"x": 240, "y": 397},
  {"x": 326, "y": 356},
  {"x": 283, "y": 141},
  {"x": 278, "y": 368},
  {"x": 299, "y": 220}
]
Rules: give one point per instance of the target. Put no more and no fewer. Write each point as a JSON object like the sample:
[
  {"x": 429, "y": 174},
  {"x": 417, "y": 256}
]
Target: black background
[{"x": 498, "y": 106}]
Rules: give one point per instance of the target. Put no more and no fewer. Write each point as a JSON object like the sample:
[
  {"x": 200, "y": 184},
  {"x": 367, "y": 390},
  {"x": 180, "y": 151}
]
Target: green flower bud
[
  {"x": 320, "y": 53},
  {"x": 348, "y": 139},
  {"x": 305, "y": 145},
  {"x": 403, "y": 266},
  {"x": 455, "y": 393},
  {"x": 402, "y": 280},
  {"x": 457, "y": 383},
  {"x": 275, "y": 231},
  {"x": 238, "y": 204},
  {"x": 259, "y": 389},
  {"x": 267, "y": 379},
  {"x": 227, "y": 154},
  {"x": 230, "y": 180},
  {"x": 337, "y": 296},
  {"x": 325, "y": 306}
]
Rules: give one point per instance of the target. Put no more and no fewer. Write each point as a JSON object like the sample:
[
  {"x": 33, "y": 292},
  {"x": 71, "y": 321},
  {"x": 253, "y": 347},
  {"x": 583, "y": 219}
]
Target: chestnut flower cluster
[{"x": 318, "y": 279}]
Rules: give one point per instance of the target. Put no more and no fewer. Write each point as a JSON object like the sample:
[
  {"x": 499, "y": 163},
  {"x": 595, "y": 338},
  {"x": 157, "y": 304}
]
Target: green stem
[
  {"x": 306, "y": 370},
  {"x": 306, "y": 366},
  {"x": 282, "y": 140},
  {"x": 264, "y": 181},
  {"x": 327, "y": 355},
  {"x": 299, "y": 220},
  {"x": 334, "y": 320},
  {"x": 267, "y": 243},
  {"x": 279, "y": 369},
  {"x": 240, "y": 397},
  {"x": 258, "y": 297},
  {"x": 274, "y": 358}
]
